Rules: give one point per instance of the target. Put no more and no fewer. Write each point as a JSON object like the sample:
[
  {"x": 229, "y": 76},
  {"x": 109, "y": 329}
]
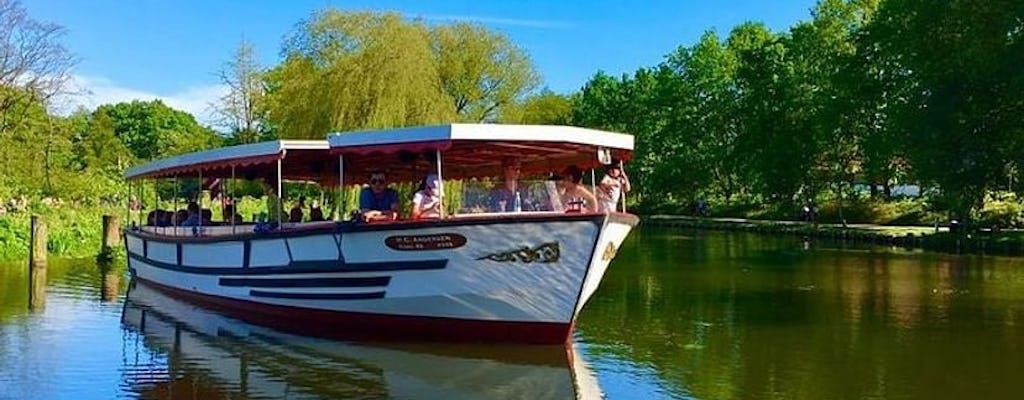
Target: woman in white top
[
  {"x": 426, "y": 203},
  {"x": 611, "y": 187}
]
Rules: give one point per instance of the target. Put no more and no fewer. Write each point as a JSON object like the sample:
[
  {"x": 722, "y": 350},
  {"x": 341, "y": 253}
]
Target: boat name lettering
[{"x": 426, "y": 242}]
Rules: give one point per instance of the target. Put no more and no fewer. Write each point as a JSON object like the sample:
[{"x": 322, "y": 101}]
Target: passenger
[
  {"x": 165, "y": 218},
  {"x": 426, "y": 203},
  {"x": 193, "y": 215},
  {"x": 230, "y": 216},
  {"x": 207, "y": 216},
  {"x": 575, "y": 192},
  {"x": 151, "y": 218},
  {"x": 179, "y": 217},
  {"x": 295, "y": 215},
  {"x": 274, "y": 209},
  {"x": 378, "y": 201},
  {"x": 315, "y": 213},
  {"x": 503, "y": 199},
  {"x": 613, "y": 185}
]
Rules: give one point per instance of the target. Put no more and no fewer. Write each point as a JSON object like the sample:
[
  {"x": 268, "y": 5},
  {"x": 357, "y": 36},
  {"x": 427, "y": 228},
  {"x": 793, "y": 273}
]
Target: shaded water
[{"x": 680, "y": 315}]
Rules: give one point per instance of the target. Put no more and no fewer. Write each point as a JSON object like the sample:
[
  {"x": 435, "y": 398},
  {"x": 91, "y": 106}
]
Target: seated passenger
[
  {"x": 295, "y": 215},
  {"x": 315, "y": 213},
  {"x": 193, "y": 215},
  {"x": 179, "y": 217},
  {"x": 230, "y": 216},
  {"x": 503, "y": 199},
  {"x": 378, "y": 201},
  {"x": 207, "y": 216},
  {"x": 574, "y": 192},
  {"x": 426, "y": 203}
]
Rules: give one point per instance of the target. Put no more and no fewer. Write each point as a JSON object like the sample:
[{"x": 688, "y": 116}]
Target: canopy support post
[
  {"x": 341, "y": 188},
  {"x": 231, "y": 195},
  {"x": 128, "y": 217},
  {"x": 280, "y": 195},
  {"x": 199, "y": 202},
  {"x": 174, "y": 215},
  {"x": 440, "y": 183},
  {"x": 156, "y": 206},
  {"x": 593, "y": 182}
]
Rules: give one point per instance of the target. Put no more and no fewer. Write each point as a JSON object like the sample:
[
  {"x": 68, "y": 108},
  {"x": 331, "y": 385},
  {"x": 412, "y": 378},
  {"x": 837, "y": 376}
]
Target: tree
[
  {"x": 346, "y": 71},
  {"x": 482, "y": 71},
  {"x": 243, "y": 110},
  {"x": 963, "y": 117},
  {"x": 34, "y": 65},
  {"x": 544, "y": 108},
  {"x": 153, "y": 130}
]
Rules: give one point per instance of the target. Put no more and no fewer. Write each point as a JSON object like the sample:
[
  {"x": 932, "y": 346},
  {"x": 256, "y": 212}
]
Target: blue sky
[{"x": 172, "y": 49}]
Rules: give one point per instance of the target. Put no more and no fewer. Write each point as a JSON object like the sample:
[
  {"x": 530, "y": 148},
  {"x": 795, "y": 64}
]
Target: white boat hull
[{"x": 507, "y": 278}]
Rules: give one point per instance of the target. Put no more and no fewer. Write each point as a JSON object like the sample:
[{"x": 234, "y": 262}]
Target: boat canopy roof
[
  {"x": 405, "y": 154},
  {"x": 476, "y": 150},
  {"x": 301, "y": 159}
]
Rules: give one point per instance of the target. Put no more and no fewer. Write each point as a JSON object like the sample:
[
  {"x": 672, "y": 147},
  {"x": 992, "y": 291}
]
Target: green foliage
[
  {"x": 867, "y": 91},
  {"x": 73, "y": 231},
  {"x": 480, "y": 70},
  {"x": 347, "y": 71},
  {"x": 544, "y": 108},
  {"x": 152, "y": 130},
  {"x": 1005, "y": 211}
]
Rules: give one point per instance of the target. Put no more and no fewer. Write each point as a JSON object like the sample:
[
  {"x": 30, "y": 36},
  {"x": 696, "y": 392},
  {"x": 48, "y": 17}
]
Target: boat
[
  {"x": 519, "y": 276},
  {"x": 180, "y": 349}
]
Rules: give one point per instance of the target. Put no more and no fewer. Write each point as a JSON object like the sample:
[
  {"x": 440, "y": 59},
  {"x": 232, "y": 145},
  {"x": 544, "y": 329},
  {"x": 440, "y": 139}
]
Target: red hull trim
[{"x": 376, "y": 327}]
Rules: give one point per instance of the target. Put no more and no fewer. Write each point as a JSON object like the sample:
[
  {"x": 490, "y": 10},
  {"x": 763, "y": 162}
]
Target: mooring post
[
  {"x": 111, "y": 231},
  {"x": 37, "y": 245},
  {"x": 111, "y": 238},
  {"x": 37, "y": 264}
]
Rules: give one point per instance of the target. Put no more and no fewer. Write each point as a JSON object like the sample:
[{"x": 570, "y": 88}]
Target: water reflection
[
  {"x": 191, "y": 352},
  {"x": 110, "y": 281},
  {"x": 742, "y": 316},
  {"x": 37, "y": 288}
]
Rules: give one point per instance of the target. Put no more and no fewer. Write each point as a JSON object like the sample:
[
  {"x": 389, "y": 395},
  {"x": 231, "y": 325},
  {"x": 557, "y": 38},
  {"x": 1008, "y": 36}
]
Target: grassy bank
[
  {"x": 985, "y": 241},
  {"x": 73, "y": 231}
]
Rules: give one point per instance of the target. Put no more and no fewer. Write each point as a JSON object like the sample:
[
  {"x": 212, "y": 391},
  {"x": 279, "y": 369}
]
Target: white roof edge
[
  {"x": 225, "y": 153},
  {"x": 483, "y": 132}
]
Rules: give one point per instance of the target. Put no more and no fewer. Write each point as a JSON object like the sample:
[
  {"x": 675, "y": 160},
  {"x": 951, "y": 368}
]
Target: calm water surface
[{"x": 680, "y": 315}]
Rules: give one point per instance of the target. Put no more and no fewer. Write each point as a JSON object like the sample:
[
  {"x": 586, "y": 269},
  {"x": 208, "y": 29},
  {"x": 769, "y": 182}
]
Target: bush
[{"x": 1003, "y": 213}]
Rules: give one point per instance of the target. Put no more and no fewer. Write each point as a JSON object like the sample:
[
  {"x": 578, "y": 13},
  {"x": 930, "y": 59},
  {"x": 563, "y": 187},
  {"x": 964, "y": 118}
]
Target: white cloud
[
  {"x": 527, "y": 23},
  {"x": 90, "y": 92}
]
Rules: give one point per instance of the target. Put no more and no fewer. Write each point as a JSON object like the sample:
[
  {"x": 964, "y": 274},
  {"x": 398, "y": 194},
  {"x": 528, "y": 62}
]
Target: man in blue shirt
[{"x": 378, "y": 201}]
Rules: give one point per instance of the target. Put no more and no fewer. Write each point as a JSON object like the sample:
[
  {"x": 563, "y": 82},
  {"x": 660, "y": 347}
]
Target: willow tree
[
  {"x": 481, "y": 71},
  {"x": 345, "y": 71}
]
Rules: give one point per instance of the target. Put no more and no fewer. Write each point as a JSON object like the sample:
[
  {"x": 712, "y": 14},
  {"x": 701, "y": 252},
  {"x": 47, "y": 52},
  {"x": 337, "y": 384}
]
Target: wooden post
[
  {"x": 37, "y": 264},
  {"x": 37, "y": 247},
  {"x": 111, "y": 231},
  {"x": 111, "y": 239}
]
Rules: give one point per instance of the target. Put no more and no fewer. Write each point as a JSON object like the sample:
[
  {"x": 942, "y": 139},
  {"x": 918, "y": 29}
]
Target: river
[{"x": 681, "y": 314}]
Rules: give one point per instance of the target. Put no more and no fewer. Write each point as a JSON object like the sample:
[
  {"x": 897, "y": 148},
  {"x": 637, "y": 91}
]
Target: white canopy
[
  {"x": 216, "y": 161},
  {"x": 441, "y": 137}
]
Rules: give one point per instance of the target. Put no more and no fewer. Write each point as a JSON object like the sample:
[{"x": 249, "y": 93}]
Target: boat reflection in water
[{"x": 192, "y": 352}]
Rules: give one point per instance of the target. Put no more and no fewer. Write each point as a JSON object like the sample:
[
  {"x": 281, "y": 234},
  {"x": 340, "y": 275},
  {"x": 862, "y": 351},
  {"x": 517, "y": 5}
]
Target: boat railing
[{"x": 225, "y": 230}]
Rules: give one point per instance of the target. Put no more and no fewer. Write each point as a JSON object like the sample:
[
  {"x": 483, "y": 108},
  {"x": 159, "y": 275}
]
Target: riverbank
[
  {"x": 73, "y": 231},
  {"x": 935, "y": 238}
]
